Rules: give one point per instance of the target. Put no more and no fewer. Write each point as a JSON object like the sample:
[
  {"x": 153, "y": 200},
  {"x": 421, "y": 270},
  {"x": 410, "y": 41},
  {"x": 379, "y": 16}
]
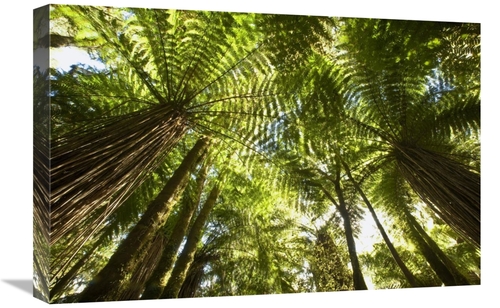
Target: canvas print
[{"x": 184, "y": 153}]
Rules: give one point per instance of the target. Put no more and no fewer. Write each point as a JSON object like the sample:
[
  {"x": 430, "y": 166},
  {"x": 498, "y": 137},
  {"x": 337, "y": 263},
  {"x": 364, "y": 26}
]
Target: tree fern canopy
[{"x": 219, "y": 153}]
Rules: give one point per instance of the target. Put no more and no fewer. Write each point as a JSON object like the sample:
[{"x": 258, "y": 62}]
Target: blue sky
[{"x": 62, "y": 58}]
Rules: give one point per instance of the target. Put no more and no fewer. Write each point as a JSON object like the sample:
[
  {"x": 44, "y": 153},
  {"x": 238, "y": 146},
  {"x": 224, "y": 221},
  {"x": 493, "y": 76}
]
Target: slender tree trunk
[
  {"x": 357, "y": 275},
  {"x": 157, "y": 282},
  {"x": 414, "y": 282},
  {"x": 460, "y": 279},
  {"x": 107, "y": 282},
  {"x": 430, "y": 256},
  {"x": 184, "y": 261},
  {"x": 192, "y": 282},
  {"x": 195, "y": 273}
]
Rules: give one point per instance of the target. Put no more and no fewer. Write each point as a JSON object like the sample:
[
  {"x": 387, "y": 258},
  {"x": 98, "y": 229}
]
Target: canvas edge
[{"x": 41, "y": 153}]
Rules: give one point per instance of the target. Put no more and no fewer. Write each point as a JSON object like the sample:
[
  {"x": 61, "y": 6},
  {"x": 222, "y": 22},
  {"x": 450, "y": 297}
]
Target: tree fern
[{"x": 175, "y": 83}]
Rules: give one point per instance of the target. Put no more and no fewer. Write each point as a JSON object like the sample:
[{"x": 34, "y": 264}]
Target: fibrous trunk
[
  {"x": 129, "y": 253},
  {"x": 448, "y": 187},
  {"x": 102, "y": 163}
]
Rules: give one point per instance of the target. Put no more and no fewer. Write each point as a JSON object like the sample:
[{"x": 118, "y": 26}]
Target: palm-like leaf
[
  {"x": 416, "y": 115},
  {"x": 172, "y": 78}
]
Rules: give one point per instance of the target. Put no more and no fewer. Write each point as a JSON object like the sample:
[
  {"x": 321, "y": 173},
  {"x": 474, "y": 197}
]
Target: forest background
[{"x": 16, "y": 183}]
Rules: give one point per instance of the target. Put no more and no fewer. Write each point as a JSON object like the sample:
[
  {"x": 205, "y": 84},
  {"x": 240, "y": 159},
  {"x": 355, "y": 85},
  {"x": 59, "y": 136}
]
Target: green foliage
[
  {"x": 292, "y": 104},
  {"x": 386, "y": 274},
  {"x": 329, "y": 267}
]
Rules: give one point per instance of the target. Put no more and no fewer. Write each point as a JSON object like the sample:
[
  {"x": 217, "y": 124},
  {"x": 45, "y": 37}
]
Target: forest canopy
[{"x": 219, "y": 154}]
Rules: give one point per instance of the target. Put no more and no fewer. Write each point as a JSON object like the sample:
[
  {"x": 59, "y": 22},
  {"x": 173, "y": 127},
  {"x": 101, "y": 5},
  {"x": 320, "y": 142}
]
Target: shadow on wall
[{"x": 22, "y": 284}]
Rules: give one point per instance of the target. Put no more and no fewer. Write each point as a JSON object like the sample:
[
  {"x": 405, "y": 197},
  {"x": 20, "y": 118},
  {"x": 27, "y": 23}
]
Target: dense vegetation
[{"x": 225, "y": 154}]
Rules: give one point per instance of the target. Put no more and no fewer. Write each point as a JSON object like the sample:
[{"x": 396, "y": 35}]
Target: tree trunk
[
  {"x": 134, "y": 286},
  {"x": 107, "y": 282},
  {"x": 192, "y": 282},
  {"x": 414, "y": 282},
  {"x": 460, "y": 279},
  {"x": 357, "y": 275},
  {"x": 181, "y": 268},
  {"x": 157, "y": 282},
  {"x": 330, "y": 273},
  {"x": 196, "y": 270},
  {"x": 430, "y": 256},
  {"x": 452, "y": 191},
  {"x": 104, "y": 162}
]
